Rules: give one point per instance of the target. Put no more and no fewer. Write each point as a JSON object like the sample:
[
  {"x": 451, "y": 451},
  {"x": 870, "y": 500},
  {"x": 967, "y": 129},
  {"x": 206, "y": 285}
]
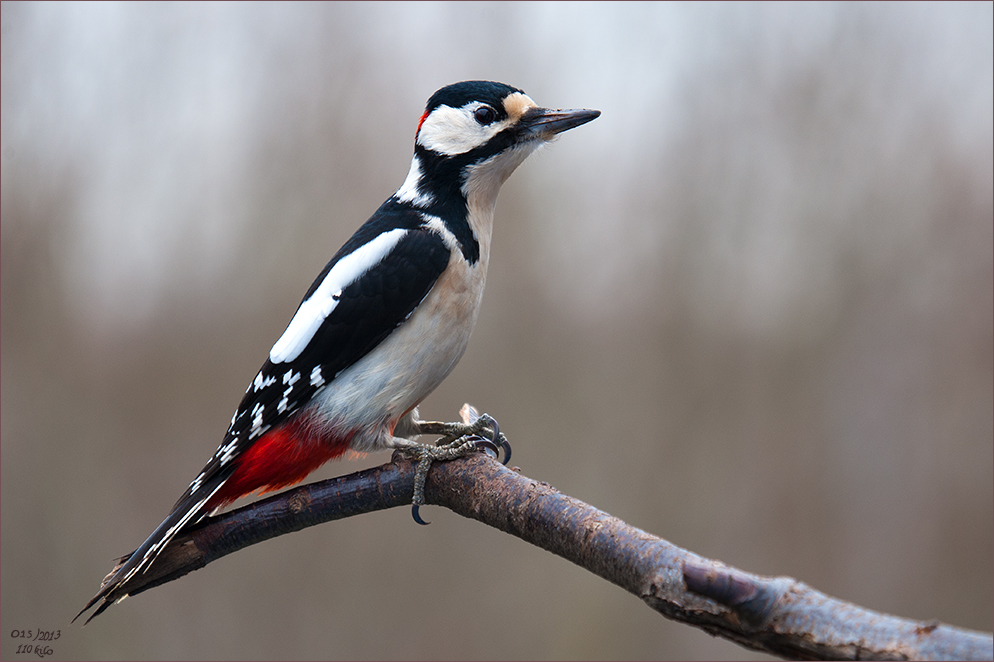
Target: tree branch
[{"x": 777, "y": 615}]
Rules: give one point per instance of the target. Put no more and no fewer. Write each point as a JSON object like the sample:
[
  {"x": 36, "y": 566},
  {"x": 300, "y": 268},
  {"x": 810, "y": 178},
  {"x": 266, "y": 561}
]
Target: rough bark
[{"x": 778, "y": 615}]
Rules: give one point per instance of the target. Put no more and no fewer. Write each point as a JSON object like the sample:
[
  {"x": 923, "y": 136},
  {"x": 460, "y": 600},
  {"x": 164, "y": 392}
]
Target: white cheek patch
[
  {"x": 452, "y": 131},
  {"x": 315, "y": 310}
]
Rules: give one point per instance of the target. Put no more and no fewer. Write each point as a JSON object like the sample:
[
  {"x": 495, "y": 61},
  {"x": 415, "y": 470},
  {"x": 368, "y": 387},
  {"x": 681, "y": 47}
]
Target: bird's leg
[{"x": 457, "y": 440}]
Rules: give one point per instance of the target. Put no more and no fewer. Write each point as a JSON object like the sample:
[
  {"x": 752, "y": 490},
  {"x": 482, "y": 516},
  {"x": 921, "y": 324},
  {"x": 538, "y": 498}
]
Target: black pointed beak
[{"x": 545, "y": 123}]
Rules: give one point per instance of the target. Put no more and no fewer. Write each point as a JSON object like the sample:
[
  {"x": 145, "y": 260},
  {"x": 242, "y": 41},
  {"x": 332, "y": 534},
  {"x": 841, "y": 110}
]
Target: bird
[{"x": 382, "y": 325}]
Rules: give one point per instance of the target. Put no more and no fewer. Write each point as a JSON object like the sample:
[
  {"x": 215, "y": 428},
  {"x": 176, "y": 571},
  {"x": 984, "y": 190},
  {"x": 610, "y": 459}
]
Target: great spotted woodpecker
[{"x": 383, "y": 324}]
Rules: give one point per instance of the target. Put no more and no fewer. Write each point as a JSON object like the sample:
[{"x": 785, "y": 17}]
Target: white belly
[{"x": 371, "y": 396}]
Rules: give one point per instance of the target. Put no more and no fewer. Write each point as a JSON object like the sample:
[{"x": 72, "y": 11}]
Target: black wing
[{"x": 367, "y": 310}]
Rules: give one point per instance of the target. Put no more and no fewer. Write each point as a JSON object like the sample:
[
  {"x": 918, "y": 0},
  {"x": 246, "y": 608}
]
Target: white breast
[{"x": 369, "y": 398}]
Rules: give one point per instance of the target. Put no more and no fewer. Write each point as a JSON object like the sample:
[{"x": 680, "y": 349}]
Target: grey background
[{"x": 748, "y": 309}]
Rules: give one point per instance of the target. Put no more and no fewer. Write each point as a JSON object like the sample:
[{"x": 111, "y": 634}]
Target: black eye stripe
[{"x": 485, "y": 115}]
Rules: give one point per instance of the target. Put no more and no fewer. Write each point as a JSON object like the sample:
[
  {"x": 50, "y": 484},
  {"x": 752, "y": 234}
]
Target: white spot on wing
[
  {"x": 316, "y": 378},
  {"x": 195, "y": 485},
  {"x": 313, "y": 312},
  {"x": 289, "y": 378},
  {"x": 227, "y": 451},
  {"x": 262, "y": 382},
  {"x": 257, "y": 416}
]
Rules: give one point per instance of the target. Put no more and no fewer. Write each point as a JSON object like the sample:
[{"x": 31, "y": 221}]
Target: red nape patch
[
  {"x": 281, "y": 457},
  {"x": 420, "y": 122}
]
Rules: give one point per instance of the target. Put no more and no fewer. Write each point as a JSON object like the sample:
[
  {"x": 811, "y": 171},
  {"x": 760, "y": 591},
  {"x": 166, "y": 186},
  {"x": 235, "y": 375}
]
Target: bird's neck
[
  {"x": 437, "y": 193},
  {"x": 461, "y": 193}
]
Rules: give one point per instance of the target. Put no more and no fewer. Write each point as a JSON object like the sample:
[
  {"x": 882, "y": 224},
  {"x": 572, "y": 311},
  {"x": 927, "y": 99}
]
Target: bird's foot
[
  {"x": 480, "y": 427},
  {"x": 457, "y": 440}
]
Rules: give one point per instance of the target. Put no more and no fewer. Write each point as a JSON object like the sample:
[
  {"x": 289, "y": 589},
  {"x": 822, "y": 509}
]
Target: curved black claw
[
  {"x": 417, "y": 515},
  {"x": 488, "y": 447},
  {"x": 499, "y": 440},
  {"x": 507, "y": 449}
]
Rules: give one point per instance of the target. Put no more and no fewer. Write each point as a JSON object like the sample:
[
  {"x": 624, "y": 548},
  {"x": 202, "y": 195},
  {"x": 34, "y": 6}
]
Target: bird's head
[
  {"x": 490, "y": 117},
  {"x": 475, "y": 133}
]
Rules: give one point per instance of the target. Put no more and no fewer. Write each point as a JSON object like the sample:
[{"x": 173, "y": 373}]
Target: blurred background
[{"x": 748, "y": 309}]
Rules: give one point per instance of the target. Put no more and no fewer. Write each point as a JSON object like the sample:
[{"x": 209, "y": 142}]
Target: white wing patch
[{"x": 315, "y": 310}]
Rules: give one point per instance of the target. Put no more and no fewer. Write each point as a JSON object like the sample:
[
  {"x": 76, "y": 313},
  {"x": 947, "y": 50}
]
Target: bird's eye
[{"x": 485, "y": 115}]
